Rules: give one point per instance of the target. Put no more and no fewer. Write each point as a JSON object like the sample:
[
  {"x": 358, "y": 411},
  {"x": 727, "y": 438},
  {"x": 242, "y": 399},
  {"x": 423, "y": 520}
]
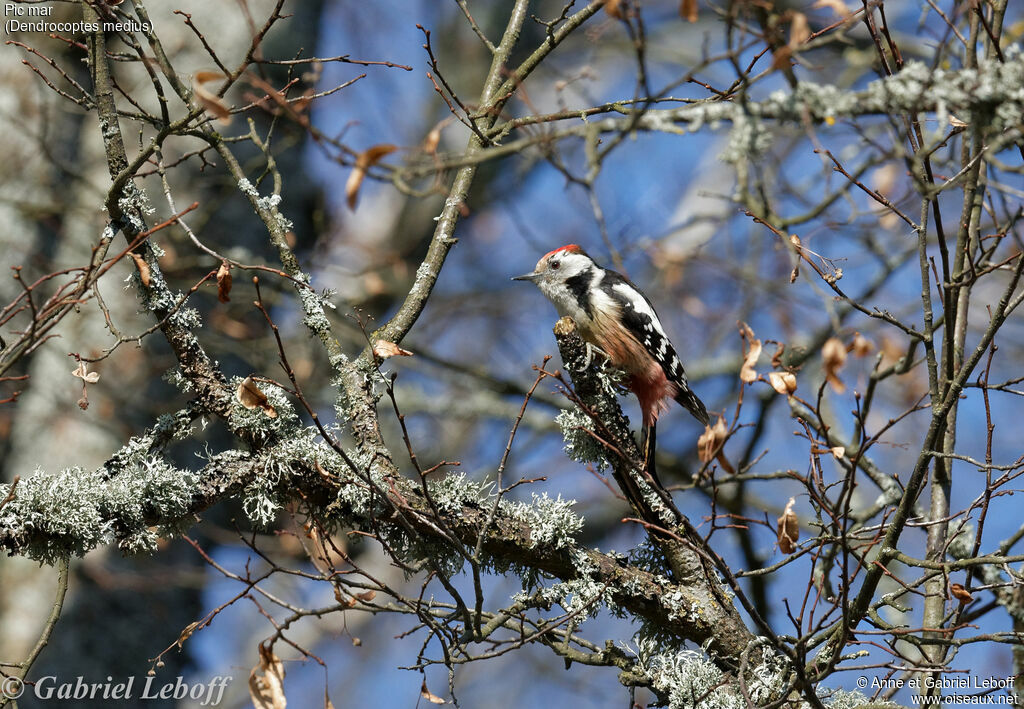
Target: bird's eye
[{"x": 555, "y": 265}]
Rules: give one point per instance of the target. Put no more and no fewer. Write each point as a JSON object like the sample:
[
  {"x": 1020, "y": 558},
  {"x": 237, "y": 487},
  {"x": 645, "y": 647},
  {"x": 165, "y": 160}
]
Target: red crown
[{"x": 571, "y": 248}]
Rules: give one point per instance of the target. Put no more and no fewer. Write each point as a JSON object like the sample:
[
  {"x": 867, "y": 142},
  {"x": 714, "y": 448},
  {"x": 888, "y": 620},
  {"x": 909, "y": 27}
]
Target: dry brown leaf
[
  {"x": 318, "y": 553},
  {"x": 206, "y": 76},
  {"x": 303, "y": 102},
  {"x": 782, "y": 382},
  {"x": 709, "y": 445},
  {"x": 250, "y": 396},
  {"x": 348, "y": 602},
  {"x": 688, "y": 10},
  {"x": 432, "y": 140},
  {"x": 211, "y": 102},
  {"x": 385, "y": 349},
  {"x": 226, "y": 325},
  {"x": 266, "y": 681},
  {"x": 86, "y": 376},
  {"x": 960, "y": 593},
  {"x": 366, "y": 596},
  {"x": 833, "y": 356},
  {"x": 751, "y": 350},
  {"x": 797, "y": 245},
  {"x": 224, "y": 282},
  {"x": 799, "y": 30},
  {"x": 861, "y": 346},
  {"x": 372, "y": 155},
  {"x": 366, "y": 159},
  {"x": 789, "y": 528},
  {"x": 257, "y": 692},
  {"x": 956, "y": 122},
  {"x": 892, "y": 350},
  {"x": 432, "y": 698},
  {"x": 187, "y": 632},
  {"x": 711, "y": 439},
  {"x": 169, "y": 258},
  {"x": 889, "y": 220},
  {"x": 327, "y": 700},
  {"x": 613, "y": 8},
  {"x": 837, "y": 6},
  {"x": 144, "y": 272},
  {"x": 883, "y": 180},
  {"x": 782, "y": 57}
]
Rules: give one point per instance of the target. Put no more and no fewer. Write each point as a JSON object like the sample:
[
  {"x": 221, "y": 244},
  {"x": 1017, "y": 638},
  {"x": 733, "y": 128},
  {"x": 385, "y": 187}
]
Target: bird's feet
[{"x": 591, "y": 351}]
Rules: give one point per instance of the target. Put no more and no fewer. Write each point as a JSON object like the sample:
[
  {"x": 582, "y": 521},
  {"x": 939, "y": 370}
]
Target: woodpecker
[{"x": 613, "y": 315}]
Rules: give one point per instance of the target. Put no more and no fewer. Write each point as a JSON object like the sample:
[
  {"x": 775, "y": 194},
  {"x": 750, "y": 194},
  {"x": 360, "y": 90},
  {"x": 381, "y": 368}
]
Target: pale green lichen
[
  {"x": 691, "y": 681},
  {"x": 264, "y": 495},
  {"x": 69, "y": 512},
  {"x": 178, "y": 380},
  {"x": 748, "y": 139},
  {"x": 960, "y": 544},
  {"x": 842, "y": 699},
  {"x": 991, "y": 96},
  {"x": 313, "y": 305},
  {"x": 260, "y": 496},
  {"x": 551, "y": 521},
  {"x": 359, "y": 493},
  {"x": 580, "y": 445},
  {"x": 247, "y": 188},
  {"x": 582, "y": 597},
  {"x": 455, "y": 491}
]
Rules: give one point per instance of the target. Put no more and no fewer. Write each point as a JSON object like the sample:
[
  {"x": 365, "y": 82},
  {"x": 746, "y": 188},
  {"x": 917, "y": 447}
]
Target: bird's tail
[
  {"x": 689, "y": 401},
  {"x": 648, "y": 445}
]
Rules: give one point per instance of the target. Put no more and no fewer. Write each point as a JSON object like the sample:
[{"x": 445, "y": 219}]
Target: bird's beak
[{"x": 526, "y": 277}]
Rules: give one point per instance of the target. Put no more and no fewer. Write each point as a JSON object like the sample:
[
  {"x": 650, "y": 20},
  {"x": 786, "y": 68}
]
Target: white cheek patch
[{"x": 574, "y": 264}]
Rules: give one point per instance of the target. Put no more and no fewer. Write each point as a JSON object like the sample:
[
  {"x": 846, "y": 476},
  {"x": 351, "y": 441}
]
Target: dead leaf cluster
[
  {"x": 782, "y": 382},
  {"x": 87, "y": 377},
  {"x": 266, "y": 681},
  {"x": 751, "y": 353}
]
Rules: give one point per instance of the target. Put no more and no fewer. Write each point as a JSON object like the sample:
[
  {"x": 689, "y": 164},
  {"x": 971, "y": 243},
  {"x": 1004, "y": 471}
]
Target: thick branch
[
  {"x": 682, "y": 610},
  {"x": 724, "y": 633}
]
